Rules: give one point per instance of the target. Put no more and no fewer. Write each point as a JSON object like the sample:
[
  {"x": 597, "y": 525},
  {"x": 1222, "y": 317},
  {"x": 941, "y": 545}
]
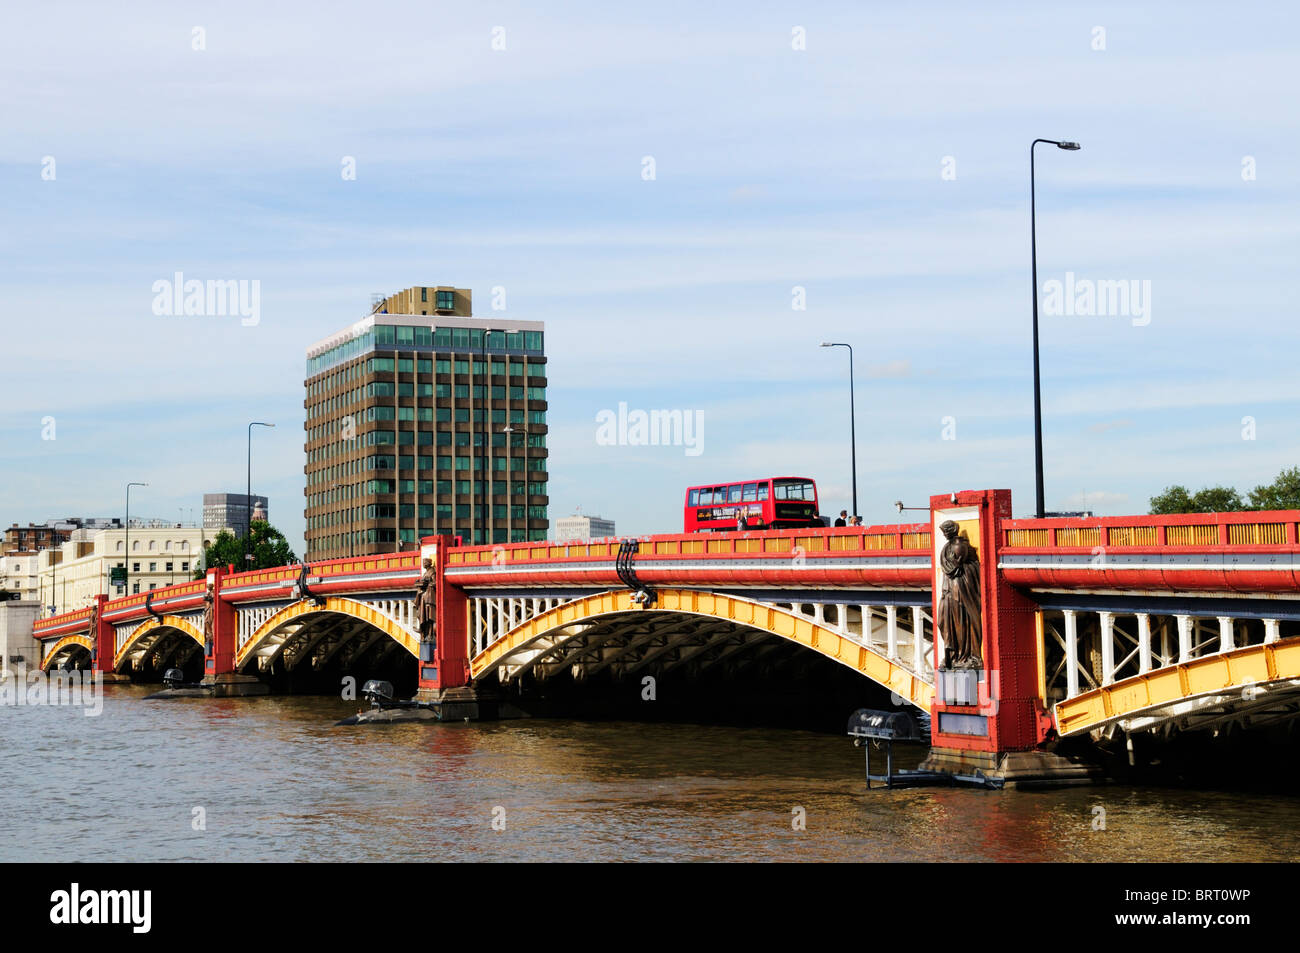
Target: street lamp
[
  {"x": 126, "y": 562},
  {"x": 248, "y": 495},
  {"x": 853, "y": 437},
  {"x": 1033, "y": 256},
  {"x": 527, "y": 518}
]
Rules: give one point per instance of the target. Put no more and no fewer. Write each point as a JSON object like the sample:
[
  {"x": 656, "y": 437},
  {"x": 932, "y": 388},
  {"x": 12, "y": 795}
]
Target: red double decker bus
[{"x": 773, "y": 503}]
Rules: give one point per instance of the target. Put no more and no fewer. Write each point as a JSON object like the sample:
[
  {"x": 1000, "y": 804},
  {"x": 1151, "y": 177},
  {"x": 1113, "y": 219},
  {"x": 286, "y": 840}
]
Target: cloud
[{"x": 1105, "y": 425}]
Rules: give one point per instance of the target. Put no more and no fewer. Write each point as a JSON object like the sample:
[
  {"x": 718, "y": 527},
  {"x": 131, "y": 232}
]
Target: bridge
[{"x": 1137, "y": 624}]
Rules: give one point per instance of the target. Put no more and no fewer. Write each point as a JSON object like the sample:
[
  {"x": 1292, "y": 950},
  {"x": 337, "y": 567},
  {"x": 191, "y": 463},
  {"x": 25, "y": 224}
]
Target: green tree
[
  {"x": 268, "y": 548},
  {"x": 1211, "y": 499},
  {"x": 1217, "y": 499},
  {"x": 1175, "y": 499},
  {"x": 1282, "y": 494}
]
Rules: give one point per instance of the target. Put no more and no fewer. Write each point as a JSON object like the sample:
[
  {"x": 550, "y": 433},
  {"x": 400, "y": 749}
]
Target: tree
[
  {"x": 1210, "y": 499},
  {"x": 268, "y": 548},
  {"x": 1175, "y": 499},
  {"x": 1217, "y": 499},
  {"x": 1282, "y": 494}
]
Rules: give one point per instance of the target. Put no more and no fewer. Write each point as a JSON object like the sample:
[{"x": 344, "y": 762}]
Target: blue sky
[{"x": 775, "y": 168}]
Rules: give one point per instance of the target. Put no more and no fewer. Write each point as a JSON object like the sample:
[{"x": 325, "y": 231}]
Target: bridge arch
[
  {"x": 69, "y": 646},
  {"x": 153, "y": 631},
  {"x": 1259, "y": 682},
  {"x": 549, "y": 632},
  {"x": 300, "y": 626}
]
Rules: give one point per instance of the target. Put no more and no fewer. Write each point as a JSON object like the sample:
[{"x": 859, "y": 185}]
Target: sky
[{"x": 692, "y": 200}]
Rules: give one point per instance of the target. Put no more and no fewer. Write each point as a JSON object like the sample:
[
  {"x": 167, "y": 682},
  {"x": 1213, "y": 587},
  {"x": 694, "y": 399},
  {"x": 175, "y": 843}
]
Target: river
[{"x": 272, "y": 778}]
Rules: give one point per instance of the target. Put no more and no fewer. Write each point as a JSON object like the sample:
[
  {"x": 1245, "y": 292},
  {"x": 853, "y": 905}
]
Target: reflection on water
[{"x": 277, "y": 781}]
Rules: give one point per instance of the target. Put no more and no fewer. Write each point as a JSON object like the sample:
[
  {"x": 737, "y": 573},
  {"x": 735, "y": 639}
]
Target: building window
[
  {"x": 169, "y": 567},
  {"x": 424, "y": 294},
  {"x": 446, "y": 300},
  {"x": 120, "y": 545},
  {"x": 135, "y": 567},
  {"x": 153, "y": 567},
  {"x": 135, "y": 547},
  {"x": 185, "y": 567}
]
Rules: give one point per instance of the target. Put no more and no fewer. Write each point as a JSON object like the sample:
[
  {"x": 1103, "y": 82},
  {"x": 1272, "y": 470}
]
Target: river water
[{"x": 272, "y": 778}]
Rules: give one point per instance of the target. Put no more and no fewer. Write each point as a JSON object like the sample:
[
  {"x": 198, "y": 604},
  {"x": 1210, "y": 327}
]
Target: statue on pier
[
  {"x": 960, "y": 619},
  {"x": 208, "y": 611},
  {"x": 426, "y": 606}
]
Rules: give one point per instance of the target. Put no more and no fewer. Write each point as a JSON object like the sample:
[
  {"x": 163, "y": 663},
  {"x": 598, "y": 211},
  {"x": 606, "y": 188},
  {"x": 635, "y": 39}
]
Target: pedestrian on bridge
[{"x": 842, "y": 519}]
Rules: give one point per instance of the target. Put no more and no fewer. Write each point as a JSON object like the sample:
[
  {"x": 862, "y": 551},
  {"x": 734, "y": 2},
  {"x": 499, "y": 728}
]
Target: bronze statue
[
  {"x": 208, "y": 608},
  {"x": 426, "y": 607},
  {"x": 959, "y": 601}
]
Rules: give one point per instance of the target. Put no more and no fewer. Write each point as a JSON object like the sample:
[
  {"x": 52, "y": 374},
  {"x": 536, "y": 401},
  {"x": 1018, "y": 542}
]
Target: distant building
[
  {"x": 582, "y": 527},
  {"x": 230, "y": 510},
  {"x": 70, "y": 576},
  {"x": 37, "y": 536},
  {"x": 18, "y": 574}
]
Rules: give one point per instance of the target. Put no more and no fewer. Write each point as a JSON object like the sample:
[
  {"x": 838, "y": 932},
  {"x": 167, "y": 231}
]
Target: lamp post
[
  {"x": 1033, "y": 258},
  {"x": 248, "y": 495},
  {"x": 527, "y": 518},
  {"x": 126, "y": 562},
  {"x": 853, "y": 437}
]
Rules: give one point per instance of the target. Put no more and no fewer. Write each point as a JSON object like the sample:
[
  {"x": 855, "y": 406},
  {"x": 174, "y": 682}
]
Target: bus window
[
  {"x": 694, "y": 499},
  {"x": 762, "y": 491},
  {"x": 795, "y": 491},
  {"x": 734, "y": 493},
  {"x": 706, "y": 496},
  {"x": 751, "y": 492},
  {"x": 779, "y": 491}
]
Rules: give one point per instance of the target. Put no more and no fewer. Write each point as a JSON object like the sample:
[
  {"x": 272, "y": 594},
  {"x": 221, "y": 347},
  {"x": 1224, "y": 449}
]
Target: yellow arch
[
  {"x": 756, "y": 615},
  {"x": 1211, "y": 675},
  {"x": 349, "y": 607},
  {"x": 167, "y": 621},
  {"x": 63, "y": 643}
]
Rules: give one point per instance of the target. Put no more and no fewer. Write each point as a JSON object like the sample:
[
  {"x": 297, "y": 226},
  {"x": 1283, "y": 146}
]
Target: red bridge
[{"x": 1135, "y": 623}]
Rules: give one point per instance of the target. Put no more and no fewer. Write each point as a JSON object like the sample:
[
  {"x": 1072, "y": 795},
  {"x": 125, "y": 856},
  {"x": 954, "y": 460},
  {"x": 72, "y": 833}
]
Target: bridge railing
[
  {"x": 194, "y": 587},
  {"x": 1256, "y": 531},
  {"x": 43, "y": 628},
  {"x": 329, "y": 568},
  {"x": 911, "y": 537}
]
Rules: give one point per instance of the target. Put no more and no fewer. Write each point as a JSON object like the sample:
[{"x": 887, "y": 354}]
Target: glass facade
[{"x": 417, "y": 337}]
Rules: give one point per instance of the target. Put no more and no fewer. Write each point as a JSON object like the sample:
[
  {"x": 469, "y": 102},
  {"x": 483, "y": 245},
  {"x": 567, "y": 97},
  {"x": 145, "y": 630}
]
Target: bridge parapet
[
  {"x": 1254, "y": 552},
  {"x": 65, "y": 623},
  {"x": 876, "y": 556}
]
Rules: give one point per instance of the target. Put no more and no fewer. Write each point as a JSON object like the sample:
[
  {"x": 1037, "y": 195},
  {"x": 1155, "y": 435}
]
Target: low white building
[
  {"x": 580, "y": 527},
  {"x": 71, "y": 576},
  {"x": 18, "y": 574}
]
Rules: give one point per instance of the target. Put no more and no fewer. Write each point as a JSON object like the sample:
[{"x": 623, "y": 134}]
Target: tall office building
[
  {"x": 222, "y": 510},
  {"x": 422, "y": 419}
]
